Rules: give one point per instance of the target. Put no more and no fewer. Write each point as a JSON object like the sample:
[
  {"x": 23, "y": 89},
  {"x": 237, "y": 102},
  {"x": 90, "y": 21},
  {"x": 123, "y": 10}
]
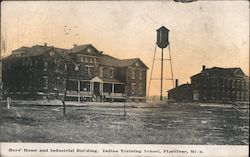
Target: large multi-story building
[
  {"x": 216, "y": 85},
  {"x": 83, "y": 72}
]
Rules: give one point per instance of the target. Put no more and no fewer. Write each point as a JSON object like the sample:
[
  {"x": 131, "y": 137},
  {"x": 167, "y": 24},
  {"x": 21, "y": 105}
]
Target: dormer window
[
  {"x": 51, "y": 53},
  {"x": 89, "y": 50},
  {"x": 137, "y": 64}
]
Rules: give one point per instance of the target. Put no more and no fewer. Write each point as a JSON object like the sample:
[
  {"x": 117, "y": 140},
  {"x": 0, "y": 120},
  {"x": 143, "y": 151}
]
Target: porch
[{"x": 95, "y": 90}]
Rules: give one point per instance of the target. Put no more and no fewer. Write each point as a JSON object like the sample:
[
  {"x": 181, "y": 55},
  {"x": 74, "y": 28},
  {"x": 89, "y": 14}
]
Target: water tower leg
[{"x": 161, "y": 73}]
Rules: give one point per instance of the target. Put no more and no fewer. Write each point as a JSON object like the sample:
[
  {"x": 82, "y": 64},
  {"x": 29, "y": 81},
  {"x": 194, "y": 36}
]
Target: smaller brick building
[
  {"x": 180, "y": 93},
  {"x": 221, "y": 85}
]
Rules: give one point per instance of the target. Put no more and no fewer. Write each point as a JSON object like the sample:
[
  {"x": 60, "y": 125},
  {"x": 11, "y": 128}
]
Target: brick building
[
  {"x": 217, "y": 84},
  {"x": 180, "y": 93},
  {"x": 83, "y": 72}
]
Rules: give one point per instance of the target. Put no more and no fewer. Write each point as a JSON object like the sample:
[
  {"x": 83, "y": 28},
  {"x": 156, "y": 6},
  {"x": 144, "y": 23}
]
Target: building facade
[
  {"x": 180, "y": 93},
  {"x": 34, "y": 72},
  {"x": 83, "y": 72},
  {"x": 220, "y": 85}
]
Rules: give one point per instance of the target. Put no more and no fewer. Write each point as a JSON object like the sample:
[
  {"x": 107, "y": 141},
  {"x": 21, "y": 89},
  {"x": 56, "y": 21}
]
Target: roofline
[
  {"x": 136, "y": 59},
  {"x": 189, "y": 84},
  {"x": 163, "y": 27}
]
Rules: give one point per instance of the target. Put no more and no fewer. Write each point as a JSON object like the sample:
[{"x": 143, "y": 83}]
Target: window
[
  {"x": 91, "y": 60},
  {"x": 133, "y": 74},
  {"x": 137, "y": 64},
  {"x": 247, "y": 85},
  {"x": 89, "y": 50},
  {"x": 101, "y": 71},
  {"x": 237, "y": 95},
  {"x": 18, "y": 55},
  {"x": 71, "y": 85},
  {"x": 111, "y": 73},
  {"x": 233, "y": 84},
  {"x": 76, "y": 67},
  {"x": 51, "y": 53},
  {"x": 133, "y": 87},
  {"x": 82, "y": 59},
  {"x": 45, "y": 82},
  {"x": 195, "y": 96},
  {"x": 226, "y": 83},
  {"x": 140, "y": 75},
  {"x": 237, "y": 83},
  {"x": 242, "y": 96},
  {"x": 85, "y": 86},
  {"x": 86, "y": 59},
  {"x": 90, "y": 71},
  {"x": 45, "y": 66},
  {"x": 214, "y": 82},
  {"x": 140, "y": 88}
]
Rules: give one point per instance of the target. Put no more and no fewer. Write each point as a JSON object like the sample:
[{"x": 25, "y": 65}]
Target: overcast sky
[{"x": 201, "y": 33}]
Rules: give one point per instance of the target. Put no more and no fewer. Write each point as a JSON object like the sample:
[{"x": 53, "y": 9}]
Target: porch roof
[{"x": 105, "y": 80}]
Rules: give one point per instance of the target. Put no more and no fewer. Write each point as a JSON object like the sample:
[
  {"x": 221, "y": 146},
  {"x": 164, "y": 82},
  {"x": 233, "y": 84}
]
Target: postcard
[{"x": 124, "y": 78}]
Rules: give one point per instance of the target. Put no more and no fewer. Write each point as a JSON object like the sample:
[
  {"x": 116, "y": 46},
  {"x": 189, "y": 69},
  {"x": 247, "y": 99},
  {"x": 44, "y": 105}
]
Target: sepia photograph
[{"x": 124, "y": 78}]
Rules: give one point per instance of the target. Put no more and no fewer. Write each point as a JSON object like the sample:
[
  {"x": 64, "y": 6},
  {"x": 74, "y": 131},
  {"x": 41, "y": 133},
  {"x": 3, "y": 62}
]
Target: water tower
[{"x": 162, "y": 42}]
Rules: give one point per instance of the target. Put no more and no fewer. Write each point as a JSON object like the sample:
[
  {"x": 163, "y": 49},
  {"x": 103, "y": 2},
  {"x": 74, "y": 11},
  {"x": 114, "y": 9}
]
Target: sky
[{"x": 211, "y": 33}]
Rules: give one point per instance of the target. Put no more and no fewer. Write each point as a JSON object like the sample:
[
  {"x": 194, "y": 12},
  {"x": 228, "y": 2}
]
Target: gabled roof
[
  {"x": 112, "y": 61},
  {"x": 24, "y": 48},
  {"x": 186, "y": 85},
  {"x": 220, "y": 71},
  {"x": 37, "y": 50},
  {"x": 106, "y": 60},
  {"x": 80, "y": 48}
]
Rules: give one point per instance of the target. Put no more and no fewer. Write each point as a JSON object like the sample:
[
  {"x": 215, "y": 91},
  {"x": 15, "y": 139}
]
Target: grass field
[{"x": 168, "y": 124}]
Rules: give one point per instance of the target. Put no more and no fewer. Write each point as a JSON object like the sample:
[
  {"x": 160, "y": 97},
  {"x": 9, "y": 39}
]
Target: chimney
[
  {"x": 101, "y": 52},
  {"x": 74, "y": 45},
  {"x": 45, "y": 44},
  {"x": 176, "y": 82},
  {"x": 203, "y": 67}
]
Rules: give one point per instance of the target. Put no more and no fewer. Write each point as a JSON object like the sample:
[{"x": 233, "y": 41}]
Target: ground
[{"x": 176, "y": 123}]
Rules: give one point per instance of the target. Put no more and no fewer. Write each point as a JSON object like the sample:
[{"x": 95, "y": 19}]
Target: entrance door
[
  {"x": 196, "y": 96},
  {"x": 97, "y": 88}
]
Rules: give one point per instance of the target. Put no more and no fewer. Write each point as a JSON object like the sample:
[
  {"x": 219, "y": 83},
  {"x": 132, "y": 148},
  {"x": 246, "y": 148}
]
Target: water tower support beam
[
  {"x": 171, "y": 65},
  {"x": 161, "y": 73}
]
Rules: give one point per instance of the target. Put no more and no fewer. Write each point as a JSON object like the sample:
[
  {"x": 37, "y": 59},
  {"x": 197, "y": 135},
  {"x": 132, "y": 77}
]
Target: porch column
[
  {"x": 91, "y": 88},
  {"x": 113, "y": 91},
  {"x": 113, "y": 88},
  {"x": 78, "y": 88},
  {"x": 101, "y": 88}
]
